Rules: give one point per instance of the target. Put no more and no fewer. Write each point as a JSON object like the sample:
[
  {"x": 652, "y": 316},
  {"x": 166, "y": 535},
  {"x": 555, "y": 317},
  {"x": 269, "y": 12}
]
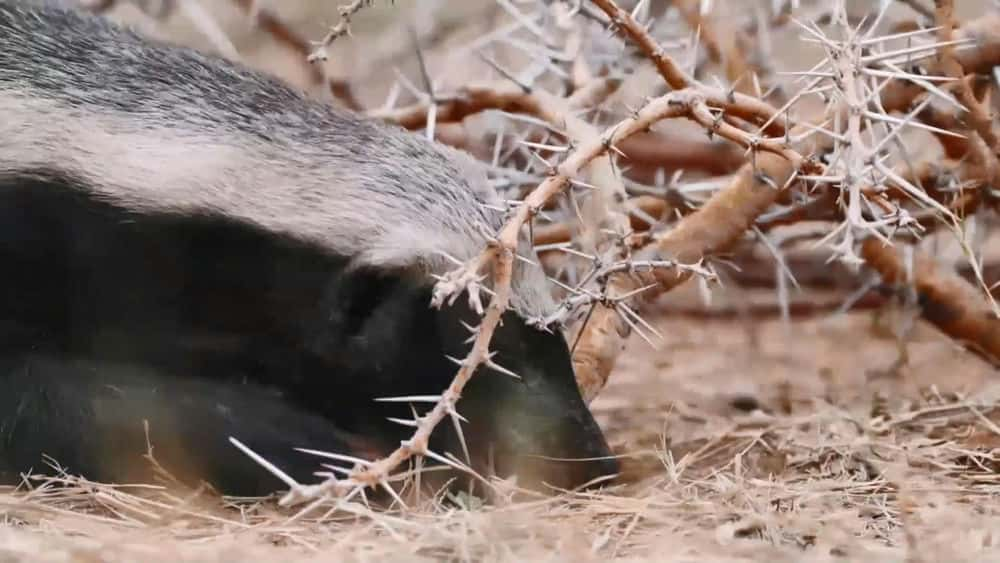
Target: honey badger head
[{"x": 253, "y": 254}]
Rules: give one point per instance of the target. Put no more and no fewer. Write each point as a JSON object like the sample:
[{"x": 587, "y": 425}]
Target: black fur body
[{"x": 239, "y": 261}]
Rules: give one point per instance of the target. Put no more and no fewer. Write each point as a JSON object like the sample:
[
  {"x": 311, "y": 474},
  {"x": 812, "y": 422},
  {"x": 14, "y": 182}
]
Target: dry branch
[
  {"x": 734, "y": 103},
  {"x": 602, "y": 336},
  {"x": 725, "y": 44},
  {"x": 669, "y": 151},
  {"x": 724, "y": 218},
  {"x": 503, "y": 96},
  {"x": 946, "y": 300},
  {"x": 650, "y": 205},
  {"x": 468, "y": 100},
  {"x": 645, "y": 152},
  {"x": 721, "y": 221},
  {"x": 978, "y": 57},
  {"x": 712, "y": 228},
  {"x": 280, "y": 32},
  {"x": 983, "y": 140},
  {"x": 715, "y": 226},
  {"x": 342, "y": 27}
]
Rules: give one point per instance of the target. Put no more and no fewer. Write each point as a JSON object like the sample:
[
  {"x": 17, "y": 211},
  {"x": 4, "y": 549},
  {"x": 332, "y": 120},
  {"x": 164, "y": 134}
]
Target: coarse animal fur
[
  {"x": 154, "y": 128},
  {"x": 195, "y": 249}
]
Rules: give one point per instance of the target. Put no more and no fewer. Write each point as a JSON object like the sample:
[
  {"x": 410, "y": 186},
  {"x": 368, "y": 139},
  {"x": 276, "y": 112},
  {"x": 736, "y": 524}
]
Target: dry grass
[{"x": 849, "y": 437}]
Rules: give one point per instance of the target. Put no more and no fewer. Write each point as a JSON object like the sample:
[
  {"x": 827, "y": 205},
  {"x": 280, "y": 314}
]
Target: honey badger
[{"x": 194, "y": 250}]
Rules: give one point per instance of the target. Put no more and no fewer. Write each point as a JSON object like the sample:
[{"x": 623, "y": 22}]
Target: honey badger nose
[
  {"x": 541, "y": 429},
  {"x": 573, "y": 458}
]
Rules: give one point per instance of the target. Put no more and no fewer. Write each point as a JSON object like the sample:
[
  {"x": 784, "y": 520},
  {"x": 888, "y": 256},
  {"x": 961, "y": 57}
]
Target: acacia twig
[
  {"x": 273, "y": 25},
  {"x": 983, "y": 142},
  {"x": 341, "y": 28},
  {"x": 734, "y": 103},
  {"x": 722, "y": 42}
]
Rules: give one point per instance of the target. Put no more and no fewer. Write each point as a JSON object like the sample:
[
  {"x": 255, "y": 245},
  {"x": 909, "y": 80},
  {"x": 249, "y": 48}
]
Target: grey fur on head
[{"x": 152, "y": 127}]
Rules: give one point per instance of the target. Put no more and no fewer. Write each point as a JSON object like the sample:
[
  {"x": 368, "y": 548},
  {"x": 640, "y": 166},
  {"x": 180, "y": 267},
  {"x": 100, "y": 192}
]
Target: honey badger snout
[{"x": 534, "y": 426}]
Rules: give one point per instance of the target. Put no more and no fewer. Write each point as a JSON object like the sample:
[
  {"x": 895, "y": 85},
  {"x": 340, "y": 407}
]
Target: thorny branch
[
  {"x": 269, "y": 22},
  {"x": 263, "y": 18},
  {"x": 983, "y": 139},
  {"x": 734, "y": 103},
  {"x": 752, "y": 192},
  {"x": 341, "y": 28}
]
